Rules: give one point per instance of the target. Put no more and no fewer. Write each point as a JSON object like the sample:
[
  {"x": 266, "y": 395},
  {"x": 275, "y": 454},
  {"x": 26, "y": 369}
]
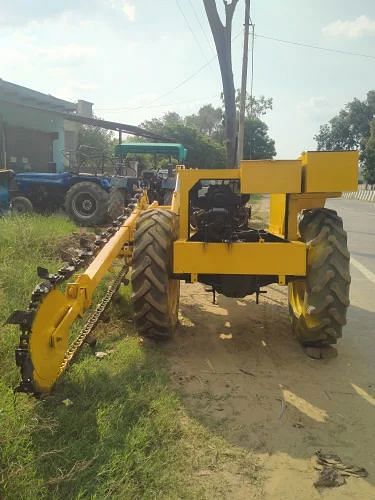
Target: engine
[{"x": 218, "y": 212}]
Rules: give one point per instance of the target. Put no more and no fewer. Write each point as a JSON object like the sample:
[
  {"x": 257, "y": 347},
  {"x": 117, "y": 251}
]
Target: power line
[
  {"x": 191, "y": 29},
  {"x": 210, "y": 61},
  {"x": 199, "y": 70},
  {"x": 201, "y": 27},
  {"x": 326, "y": 49},
  {"x": 202, "y": 99},
  {"x": 187, "y": 79}
]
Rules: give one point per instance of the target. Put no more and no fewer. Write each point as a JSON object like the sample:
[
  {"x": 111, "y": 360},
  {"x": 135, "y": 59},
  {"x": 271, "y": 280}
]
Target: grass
[{"x": 124, "y": 433}]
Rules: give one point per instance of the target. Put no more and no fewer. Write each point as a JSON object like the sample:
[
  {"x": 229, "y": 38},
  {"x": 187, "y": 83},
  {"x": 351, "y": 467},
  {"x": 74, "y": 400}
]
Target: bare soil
[{"x": 244, "y": 376}]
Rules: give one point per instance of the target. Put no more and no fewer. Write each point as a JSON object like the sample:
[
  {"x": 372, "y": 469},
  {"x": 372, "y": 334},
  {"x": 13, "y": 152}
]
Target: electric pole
[{"x": 241, "y": 124}]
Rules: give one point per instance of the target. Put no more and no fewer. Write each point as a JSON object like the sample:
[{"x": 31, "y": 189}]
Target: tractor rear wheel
[
  {"x": 21, "y": 205},
  {"x": 87, "y": 204},
  {"x": 318, "y": 304},
  {"x": 155, "y": 293}
]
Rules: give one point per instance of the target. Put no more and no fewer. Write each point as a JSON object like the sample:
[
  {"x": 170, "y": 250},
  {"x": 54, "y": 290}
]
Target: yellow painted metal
[
  {"x": 271, "y": 176},
  {"x": 239, "y": 258},
  {"x": 47, "y": 344},
  {"x": 298, "y": 202},
  {"x": 330, "y": 171},
  {"x": 186, "y": 179},
  {"x": 326, "y": 173},
  {"x": 319, "y": 174},
  {"x": 50, "y": 329},
  {"x": 284, "y": 210},
  {"x": 277, "y": 214}
]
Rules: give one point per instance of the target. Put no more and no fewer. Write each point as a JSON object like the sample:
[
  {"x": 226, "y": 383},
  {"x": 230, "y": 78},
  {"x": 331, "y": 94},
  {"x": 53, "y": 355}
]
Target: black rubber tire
[
  {"x": 21, "y": 205},
  {"x": 155, "y": 295},
  {"x": 318, "y": 304},
  {"x": 116, "y": 203},
  {"x": 93, "y": 194}
]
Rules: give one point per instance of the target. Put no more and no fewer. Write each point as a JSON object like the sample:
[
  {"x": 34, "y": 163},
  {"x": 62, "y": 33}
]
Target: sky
[{"x": 138, "y": 59}]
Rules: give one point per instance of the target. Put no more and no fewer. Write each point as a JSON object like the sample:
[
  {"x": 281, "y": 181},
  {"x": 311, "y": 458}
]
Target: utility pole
[{"x": 241, "y": 124}]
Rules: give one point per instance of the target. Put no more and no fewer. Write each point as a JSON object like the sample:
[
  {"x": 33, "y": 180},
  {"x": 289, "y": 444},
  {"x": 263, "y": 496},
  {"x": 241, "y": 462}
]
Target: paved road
[{"x": 359, "y": 222}]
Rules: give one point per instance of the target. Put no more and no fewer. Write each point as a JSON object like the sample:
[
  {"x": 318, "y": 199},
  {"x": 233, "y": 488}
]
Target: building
[{"x": 37, "y": 130}]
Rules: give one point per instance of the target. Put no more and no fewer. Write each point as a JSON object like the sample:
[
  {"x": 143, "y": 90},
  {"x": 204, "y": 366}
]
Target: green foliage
[
  {"x": 369, "y": 156},
  {"x": 96, "y": 137},
  {"x": 208, "y": 120},
  {"x": 124, "y": 435},
  {"x": 203, "y": 133},
  {"x": 203, "y": 152},
  {"x": 254, "y": 106},
  {"x": 257, "y": 143},
  {"x": 350, "y": 129},
  {"x": 120, "y": 438}
]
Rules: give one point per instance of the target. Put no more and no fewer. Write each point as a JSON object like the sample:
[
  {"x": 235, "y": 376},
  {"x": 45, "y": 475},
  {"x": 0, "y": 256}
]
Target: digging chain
[
  {"x": 25, "y": 318},
  {"x": 92, "y": 320}
]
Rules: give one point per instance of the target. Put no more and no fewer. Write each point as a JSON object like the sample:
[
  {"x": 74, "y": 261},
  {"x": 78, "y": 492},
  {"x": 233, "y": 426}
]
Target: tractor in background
[
  {"x": 160, "y": 182},
  {"x": 95, "y": 188}
]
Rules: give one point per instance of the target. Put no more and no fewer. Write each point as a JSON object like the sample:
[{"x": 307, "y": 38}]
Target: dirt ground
[{"x": 242, "y": 374}]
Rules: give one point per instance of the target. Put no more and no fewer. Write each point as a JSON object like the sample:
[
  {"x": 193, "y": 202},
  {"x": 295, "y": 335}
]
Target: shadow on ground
[{"x": 242, "y": 374}]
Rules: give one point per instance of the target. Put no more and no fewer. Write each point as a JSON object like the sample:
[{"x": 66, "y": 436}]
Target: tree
[
  {"x": 350, "y": 129},
  {"x": 222, "y": 34},
  {"x": 257, "y": 143},
  {"x": 96, "y": 137},
  {"x": 255, "y": 106},
  {"x": 369, "y": 156},
  {"x": 208, "y": 120},
  {"x": 203, "y": 152}
]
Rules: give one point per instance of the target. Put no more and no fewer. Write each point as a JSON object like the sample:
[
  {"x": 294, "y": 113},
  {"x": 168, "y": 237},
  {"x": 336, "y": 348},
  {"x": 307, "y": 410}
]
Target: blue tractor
[{"x": 91, "y": 199}]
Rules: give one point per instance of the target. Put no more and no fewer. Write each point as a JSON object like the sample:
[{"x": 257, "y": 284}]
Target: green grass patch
[{"x": 112, "y": 428}]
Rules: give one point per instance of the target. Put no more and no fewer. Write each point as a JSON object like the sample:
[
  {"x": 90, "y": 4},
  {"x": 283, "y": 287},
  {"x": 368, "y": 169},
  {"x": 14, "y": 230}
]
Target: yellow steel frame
[
  {"x": 294, "y": 185},
  {"x": 263, "y": 258}
]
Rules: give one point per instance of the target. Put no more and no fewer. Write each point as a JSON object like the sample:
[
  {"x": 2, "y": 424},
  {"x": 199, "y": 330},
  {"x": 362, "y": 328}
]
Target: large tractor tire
[
  {"x": 318, "y": 304},
  {"x": 87, "y": 204},
  {"x": 155, "y": 294},
  {"x": 116, "y": 203},
  {"x": 21, "y": 205}
]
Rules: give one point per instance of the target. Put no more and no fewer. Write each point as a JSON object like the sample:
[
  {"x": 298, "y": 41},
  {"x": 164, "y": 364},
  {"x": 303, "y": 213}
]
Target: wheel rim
[
  {"x": 297, "y": 291},
  {"x": 84, "y": 205},
  {"x": 19, "y": 209}
]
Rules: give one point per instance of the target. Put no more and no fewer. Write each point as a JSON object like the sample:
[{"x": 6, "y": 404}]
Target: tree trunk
[{"x": 223, "y": 41}]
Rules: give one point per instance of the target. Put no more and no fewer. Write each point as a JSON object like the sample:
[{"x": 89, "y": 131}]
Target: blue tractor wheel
[
  {"x": 87, "y": 204},
  {"x": 20, "y": 205}
]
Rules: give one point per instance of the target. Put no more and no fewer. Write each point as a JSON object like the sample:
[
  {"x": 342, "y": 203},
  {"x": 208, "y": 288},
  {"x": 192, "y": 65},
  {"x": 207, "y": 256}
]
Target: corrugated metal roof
[
  {"x": 98, "y": 122},
  {"x": 28, "y": 98}
]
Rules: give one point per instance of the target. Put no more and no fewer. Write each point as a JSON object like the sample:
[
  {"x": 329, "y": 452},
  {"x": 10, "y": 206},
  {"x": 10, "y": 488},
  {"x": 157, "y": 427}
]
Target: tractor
[
  {"x": 95, "y": 188},
  {"x": 205, "y": 235},
  {"x": 160, "y": 182}
]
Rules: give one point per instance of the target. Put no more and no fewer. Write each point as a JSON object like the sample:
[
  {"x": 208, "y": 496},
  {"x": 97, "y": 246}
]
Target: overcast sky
[{"x": 136, "y": 59}]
